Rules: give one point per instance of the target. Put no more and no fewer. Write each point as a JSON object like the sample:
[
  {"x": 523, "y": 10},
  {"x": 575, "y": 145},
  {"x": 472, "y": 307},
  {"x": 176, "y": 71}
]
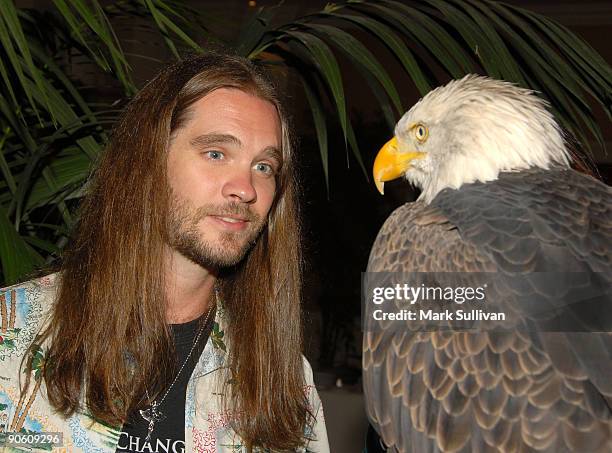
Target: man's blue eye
[
  {"x": 215, "y": 155},
  {"x": 264, "y": 168}
]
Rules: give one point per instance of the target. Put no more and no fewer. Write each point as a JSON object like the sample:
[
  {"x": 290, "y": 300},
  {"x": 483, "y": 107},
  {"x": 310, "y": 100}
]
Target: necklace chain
[{"x": 153, "y": 414}]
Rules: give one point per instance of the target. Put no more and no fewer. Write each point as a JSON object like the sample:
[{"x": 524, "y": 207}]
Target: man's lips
[
  {"x": 231, "y": 218},
  {"x": 231, "y": 222}
]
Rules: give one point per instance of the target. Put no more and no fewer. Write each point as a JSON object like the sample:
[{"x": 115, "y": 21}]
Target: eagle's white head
[{"x": 470, "y": 130}]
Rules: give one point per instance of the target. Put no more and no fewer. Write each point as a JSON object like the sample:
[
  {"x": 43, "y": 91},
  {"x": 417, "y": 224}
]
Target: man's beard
[{"x": 230, "y": 247}]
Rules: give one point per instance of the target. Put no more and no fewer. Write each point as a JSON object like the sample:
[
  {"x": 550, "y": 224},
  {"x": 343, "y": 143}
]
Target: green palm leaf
[
  {"x": 164, "y": 23},
  {"x": 361, "y": 56},
  {"x": 396, "y": 46},
  {"x": 11, "y": 33},
  {"x": 320, "y": 126},
  {"x": 96, "y": 21},
  {"x": 16, "y": 256}
]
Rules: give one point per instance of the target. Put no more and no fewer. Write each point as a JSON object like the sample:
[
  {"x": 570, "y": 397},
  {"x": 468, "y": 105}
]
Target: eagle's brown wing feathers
[{"x": 493, "y": 391}]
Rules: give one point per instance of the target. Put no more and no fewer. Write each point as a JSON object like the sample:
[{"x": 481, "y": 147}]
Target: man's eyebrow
[
  {"x": 274, "y": 153},
  {"x": 214, "y": 139}
]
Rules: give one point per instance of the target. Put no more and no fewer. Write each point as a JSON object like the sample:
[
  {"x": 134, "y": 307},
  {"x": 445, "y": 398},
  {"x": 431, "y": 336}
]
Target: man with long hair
[{"x": 174, "y": 321}]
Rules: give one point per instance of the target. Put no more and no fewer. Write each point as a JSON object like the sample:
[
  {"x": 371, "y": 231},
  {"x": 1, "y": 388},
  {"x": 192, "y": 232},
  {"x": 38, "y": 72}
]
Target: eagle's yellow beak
[{"x": 390, "y": 164}]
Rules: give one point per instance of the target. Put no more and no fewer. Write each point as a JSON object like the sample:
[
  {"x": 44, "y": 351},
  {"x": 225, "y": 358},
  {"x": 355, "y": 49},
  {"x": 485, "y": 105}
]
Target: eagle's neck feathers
[{"x": 480, "y": 127}]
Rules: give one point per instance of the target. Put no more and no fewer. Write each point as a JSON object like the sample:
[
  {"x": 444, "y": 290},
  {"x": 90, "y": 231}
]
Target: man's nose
[{"x": 239, "y": 187}]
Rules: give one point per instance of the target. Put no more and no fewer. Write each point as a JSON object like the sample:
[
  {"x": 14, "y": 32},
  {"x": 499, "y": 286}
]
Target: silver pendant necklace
[{"x": 153, "y": 414}]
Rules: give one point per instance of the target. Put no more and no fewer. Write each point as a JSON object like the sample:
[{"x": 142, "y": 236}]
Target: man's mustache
[{"x": 230, "y": 209}]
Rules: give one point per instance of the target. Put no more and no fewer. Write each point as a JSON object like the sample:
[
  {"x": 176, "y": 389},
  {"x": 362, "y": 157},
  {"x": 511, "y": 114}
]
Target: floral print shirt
[{"x": 23, "y": 309}]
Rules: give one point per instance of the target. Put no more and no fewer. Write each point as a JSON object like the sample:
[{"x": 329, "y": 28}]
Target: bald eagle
[{"x": 498, "y": 198}]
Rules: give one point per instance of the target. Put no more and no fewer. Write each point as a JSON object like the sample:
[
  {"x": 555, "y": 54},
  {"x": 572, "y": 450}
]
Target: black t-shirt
[{"x": 169, "y": 433}]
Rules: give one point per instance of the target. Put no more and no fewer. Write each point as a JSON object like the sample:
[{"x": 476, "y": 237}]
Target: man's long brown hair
[{"x": 109, "y": 340}]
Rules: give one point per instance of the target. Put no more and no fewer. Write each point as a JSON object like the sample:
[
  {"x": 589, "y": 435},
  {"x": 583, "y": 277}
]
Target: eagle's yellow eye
[{"x": 421, "y": 132}]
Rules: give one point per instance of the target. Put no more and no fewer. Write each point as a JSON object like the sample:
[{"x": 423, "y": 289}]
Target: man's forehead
[
  {"x": 221, "y": 96},
  {"x": 231, "y": 104}
]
